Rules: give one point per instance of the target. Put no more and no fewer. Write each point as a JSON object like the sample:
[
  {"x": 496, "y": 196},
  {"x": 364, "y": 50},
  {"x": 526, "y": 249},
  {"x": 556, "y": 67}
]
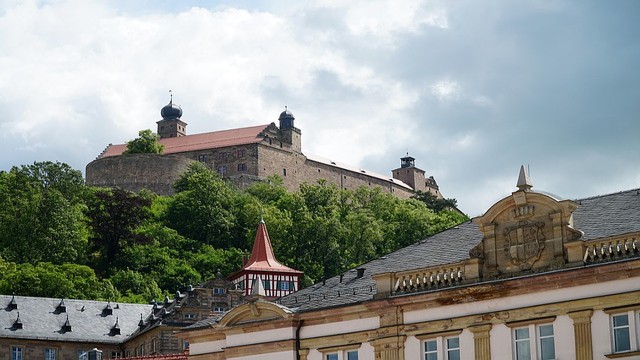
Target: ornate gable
[
  {"x": 254, "y": 311},
  {"x": 525, "y": 231}
]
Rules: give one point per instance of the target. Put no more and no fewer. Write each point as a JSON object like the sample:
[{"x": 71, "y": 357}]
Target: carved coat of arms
[{"x": 524, "y": 242}]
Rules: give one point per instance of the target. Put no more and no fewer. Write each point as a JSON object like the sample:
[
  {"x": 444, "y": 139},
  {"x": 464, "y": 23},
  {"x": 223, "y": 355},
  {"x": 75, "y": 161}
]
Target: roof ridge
[{"x": 609, "y": 194}]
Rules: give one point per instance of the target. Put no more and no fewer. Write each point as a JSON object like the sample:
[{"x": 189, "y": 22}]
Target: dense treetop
[
  {"x": 145, "y": 143},
  {"x": 60, "y": 238}
]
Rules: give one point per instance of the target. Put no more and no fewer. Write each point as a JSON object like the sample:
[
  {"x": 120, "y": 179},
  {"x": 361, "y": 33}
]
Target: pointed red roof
[
  {"x": 210, "y": 140},
  {"x": 262, "y": 257}
]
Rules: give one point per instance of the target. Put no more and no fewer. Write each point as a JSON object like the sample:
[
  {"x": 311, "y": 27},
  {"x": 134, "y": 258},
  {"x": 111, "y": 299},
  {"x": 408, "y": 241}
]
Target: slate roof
[
  {"x": 209, "y": 140},
  {"x": 608, "y": 215},
  {"x": 41, "y": 319},
  {"x": 599, "y": 216}
]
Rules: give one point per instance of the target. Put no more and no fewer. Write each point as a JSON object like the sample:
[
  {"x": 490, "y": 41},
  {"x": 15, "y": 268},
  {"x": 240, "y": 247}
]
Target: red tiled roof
[
  {"x": 262, "y": 257},
  {"x": 210, "y": 140}
]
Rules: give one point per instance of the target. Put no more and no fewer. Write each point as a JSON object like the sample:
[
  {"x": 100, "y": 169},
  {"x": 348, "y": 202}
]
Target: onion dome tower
[
  {"x": 288, "y": 132},
  {"x": 263, "y": 270},
  {"x": 171, "y": 125}
]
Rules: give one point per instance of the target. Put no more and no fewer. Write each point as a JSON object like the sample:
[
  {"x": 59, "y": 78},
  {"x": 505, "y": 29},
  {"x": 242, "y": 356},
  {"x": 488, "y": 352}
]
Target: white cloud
[{"x": 446, "y": 90}]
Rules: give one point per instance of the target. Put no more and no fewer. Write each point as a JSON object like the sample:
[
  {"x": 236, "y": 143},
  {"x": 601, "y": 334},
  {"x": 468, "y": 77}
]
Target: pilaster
[
  {"x": 582, "y": 334},
  {"x": 303, "y": 354},
  {"x": 389, "y": 348},
  {"x": 481, "y": 341}
]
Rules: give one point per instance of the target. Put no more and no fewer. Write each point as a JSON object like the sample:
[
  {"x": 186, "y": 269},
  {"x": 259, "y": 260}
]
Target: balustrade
[
  {"x": 424, "y": 279},
  {"x": 610, "y": 249}
]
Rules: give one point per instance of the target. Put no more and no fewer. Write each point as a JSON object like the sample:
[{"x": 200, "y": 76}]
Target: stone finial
[
  {"x": 524, "y": 183},
  {"x": 258, "y": 289}
]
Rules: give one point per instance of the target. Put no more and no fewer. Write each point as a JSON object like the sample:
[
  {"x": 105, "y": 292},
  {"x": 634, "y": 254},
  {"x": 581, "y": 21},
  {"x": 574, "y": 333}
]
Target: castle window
[
  {"x": 218, "y": 309},
  {"x": 202, "y": 158},
  {"x": 49, "y": 354},
  {"x": 242, "y": 167},
  {"x": 83, "y": 354},
  {"x": 116, "y": 355},
  {"x": 222, "y": 170},
  {"x": 16, "y": 352},
  {"x": 189, "y": 316},
  {"x": 218, "y": 291},
  {"x": 241, "y": 153},
  {"x": 284, "y": 172}
]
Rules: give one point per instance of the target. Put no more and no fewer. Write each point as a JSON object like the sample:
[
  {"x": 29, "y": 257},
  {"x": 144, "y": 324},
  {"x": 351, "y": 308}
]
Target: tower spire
[{"x": 524, "y": 183}]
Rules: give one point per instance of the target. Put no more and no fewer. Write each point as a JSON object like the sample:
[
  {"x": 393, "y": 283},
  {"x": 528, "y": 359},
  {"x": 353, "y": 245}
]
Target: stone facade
[{"x": 271, "y": 150}]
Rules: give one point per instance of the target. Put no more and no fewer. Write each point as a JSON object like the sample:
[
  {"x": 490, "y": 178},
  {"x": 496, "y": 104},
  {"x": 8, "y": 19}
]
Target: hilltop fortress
[{"x": 242, "y": 156}]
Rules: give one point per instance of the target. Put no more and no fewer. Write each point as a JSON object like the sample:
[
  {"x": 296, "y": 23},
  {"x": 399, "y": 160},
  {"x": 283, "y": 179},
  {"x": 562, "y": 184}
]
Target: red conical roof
[{"x": 262, "y": 257}]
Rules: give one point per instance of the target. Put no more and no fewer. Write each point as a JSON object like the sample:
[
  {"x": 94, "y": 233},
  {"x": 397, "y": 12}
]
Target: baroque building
[
  {"x": 242, "y": 156},
  {"x": 534, "y": 277}
]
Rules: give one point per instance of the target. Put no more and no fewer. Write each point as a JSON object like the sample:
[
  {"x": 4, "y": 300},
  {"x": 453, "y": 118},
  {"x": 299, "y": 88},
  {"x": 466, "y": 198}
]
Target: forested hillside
[{"x": 60, "y": 238}]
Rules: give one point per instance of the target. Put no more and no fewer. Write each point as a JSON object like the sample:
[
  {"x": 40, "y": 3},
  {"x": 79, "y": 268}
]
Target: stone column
[
  {"x": 582, "y": 334},
  {"x": 303, "y": 353},
  {"x": 389, "y": 348},
  {"x": 481, "y": 341}
]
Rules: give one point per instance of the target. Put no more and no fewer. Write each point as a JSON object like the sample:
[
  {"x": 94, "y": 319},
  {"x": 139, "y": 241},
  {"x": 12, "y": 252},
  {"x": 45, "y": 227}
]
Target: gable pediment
[
  {"x": 526, "y": 231},
  {"x": 255, "y": 311}
]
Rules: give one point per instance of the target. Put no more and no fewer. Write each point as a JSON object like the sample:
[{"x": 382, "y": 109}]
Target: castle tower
[
  {"x": 275, "y": 279},
  {"x": 414, "y": 177},
  {"x": 171, "y": 125},
  {"x": 289, "y": 133}
]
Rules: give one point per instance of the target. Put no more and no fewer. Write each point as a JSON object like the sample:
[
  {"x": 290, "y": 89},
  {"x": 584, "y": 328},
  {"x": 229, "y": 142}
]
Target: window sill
[{"x": 622, "y": 354}]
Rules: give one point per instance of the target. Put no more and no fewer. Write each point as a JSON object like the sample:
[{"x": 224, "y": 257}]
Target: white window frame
[
  {"x": 441, "y": 340},
  {"x": 340, "y": 352},
  {"x": 218, "y": 291},
  {"x": 17, "y": 352},
  {"x": 534, "y": 340},
  {"x": 633, "y": 317},
  {"x": 47, "y": 353},
  {"x": 83, "y": 354}
]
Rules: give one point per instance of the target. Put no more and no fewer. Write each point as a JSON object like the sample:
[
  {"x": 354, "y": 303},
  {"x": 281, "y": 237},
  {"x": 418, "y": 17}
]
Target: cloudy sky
[{"x": 471, "y": 89}]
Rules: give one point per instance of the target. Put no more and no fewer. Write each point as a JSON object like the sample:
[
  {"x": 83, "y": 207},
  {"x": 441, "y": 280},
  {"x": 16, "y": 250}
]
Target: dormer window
[
  {"x": 108, "y": 310},
  {"x": 115, "y": 330},
  {"x": 66, "y": 327},
  {"x": 61, "y": 308},
  {"x": 13, "y": 305},
  {"x": 18, "y": 323}
]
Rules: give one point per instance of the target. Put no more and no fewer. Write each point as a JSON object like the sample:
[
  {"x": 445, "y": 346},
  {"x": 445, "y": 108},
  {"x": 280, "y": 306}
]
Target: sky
[{"x": 471, "y": 89}]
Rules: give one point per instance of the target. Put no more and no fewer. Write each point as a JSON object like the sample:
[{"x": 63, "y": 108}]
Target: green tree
[
  {"x": 114, "y": 218},
  {"x": 57, "y": 281},
  {"x": 145, "y": 143},
  {"x": 435, "y": 203},
  {"x": 135, "y": 287},
  {"x": 41, "y": 214},
  {"x": 202, "y": 209}
]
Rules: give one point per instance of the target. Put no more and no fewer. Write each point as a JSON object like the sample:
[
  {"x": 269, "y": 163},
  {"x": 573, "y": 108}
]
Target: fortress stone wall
[{"x": 135, "y": 172}]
